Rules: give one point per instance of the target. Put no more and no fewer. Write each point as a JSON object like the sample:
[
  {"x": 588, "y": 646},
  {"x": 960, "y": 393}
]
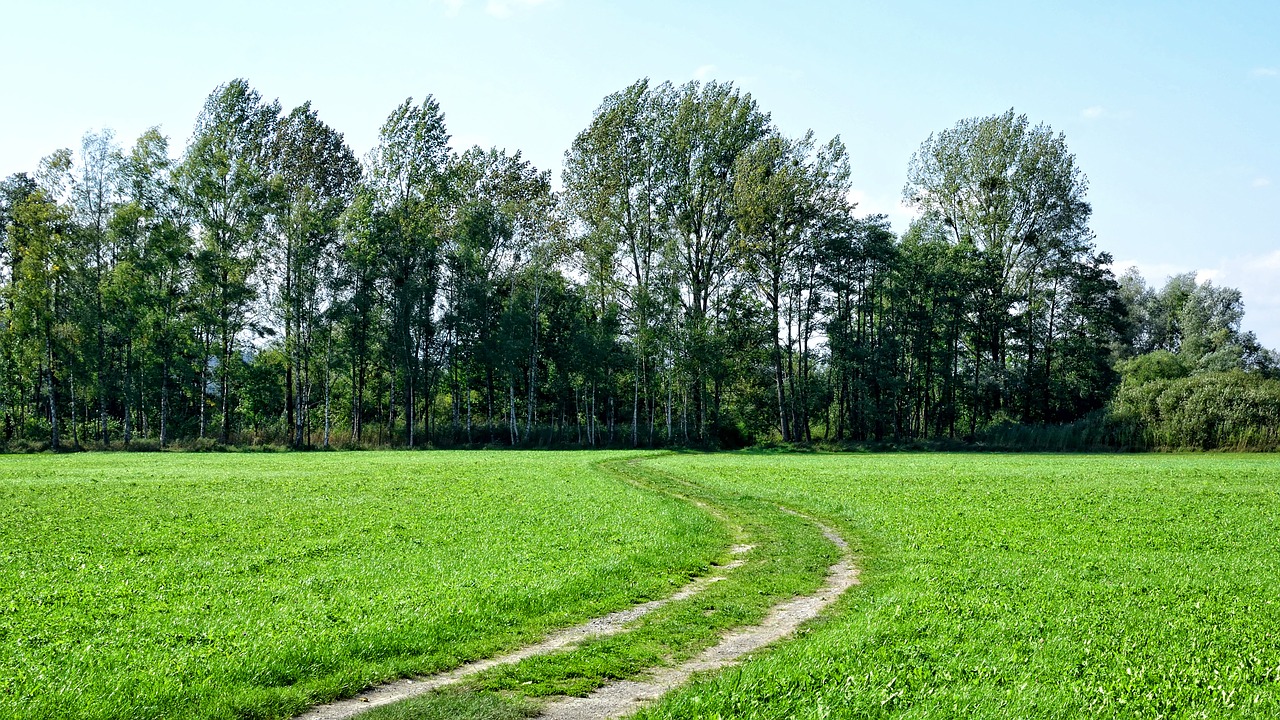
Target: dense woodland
[{"x": 702, "y": 279}]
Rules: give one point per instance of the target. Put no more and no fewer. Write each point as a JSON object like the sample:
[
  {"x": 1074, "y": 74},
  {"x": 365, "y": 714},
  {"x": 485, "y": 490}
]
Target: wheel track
[
  {"x": 626, "y": 697},
  {"x": 623, "y": 698}
]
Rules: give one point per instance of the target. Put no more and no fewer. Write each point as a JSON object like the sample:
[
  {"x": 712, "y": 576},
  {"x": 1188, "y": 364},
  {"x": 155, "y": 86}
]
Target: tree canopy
[{"x": 703, "y": 278}]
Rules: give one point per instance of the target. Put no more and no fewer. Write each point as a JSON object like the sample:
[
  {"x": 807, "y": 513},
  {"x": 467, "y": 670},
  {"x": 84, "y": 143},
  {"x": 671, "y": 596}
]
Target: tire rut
[{"x": 626, "y": 697}]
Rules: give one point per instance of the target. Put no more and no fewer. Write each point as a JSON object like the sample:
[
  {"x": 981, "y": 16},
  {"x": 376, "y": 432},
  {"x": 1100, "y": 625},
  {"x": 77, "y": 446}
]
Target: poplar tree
[
  {"x": 227, "y": 187},
  {"x": 318, "y": 175},
  {"x": 408, "y": 176}
]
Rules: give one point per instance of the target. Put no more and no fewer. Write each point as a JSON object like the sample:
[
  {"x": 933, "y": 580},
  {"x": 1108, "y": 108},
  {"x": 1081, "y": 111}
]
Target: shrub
[{"x": 1213, "y": 410}]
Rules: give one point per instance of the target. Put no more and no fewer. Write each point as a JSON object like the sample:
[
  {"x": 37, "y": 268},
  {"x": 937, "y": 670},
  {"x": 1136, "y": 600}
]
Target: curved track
[{"x": 625, "y": 697}]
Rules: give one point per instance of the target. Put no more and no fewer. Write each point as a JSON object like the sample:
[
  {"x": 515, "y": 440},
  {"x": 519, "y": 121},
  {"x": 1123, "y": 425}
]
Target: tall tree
[
  {"x": 408, "y": 174},
  {"x": 505, "y": 224},
  {"x": 1013, "y": 191},
  {"x": 318, "y": 176},
  {"x": 40, "y": 240},
  {"x": 611, "y": 187},
  {"x": 228, "y": 190},
  {"x": 150, "y": 281},
  {"x": 358, "y": 298},
  {"x": 94, "y": 188},
  {"x": 15, "y": 192},
  {"x": 703, "y": 130},
  {"x": 783, "y": 191}
]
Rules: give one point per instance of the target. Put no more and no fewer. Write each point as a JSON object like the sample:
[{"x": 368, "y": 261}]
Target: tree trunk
[
  {"x": 511, "y": 394},
  {"x": 225, "y": 435},
  {"x": 533, "y": 358},
  {"x": 635, "y": 410},
  {"x": 792, "y": 302},
  {"x": 777, "y": 372},
  {"x": 125, "y": 394},
  {"x": 203, "y": 379},
  {"x": 669, "y": 437},
  {"x": 409, "y": 403},
  {"x": 290, "y": 340},
  {"x": 102, "y": 394},
  {"x": 75, "y": 426},
  {"x": 328, "y": 382},
  {"x": 54, "y": 439},
  {"x": 164, "y": 402}
]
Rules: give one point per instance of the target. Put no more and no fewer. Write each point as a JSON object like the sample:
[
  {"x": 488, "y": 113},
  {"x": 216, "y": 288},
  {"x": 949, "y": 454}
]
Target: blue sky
[{"x": 1172, "y": 108}]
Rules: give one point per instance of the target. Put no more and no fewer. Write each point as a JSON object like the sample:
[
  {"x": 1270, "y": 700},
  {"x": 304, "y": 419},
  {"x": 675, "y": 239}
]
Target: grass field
[
  {"x": 994, "y": 586},
  {"x": 218, "y": 586},
  {"x": 1022, "y": 586}
]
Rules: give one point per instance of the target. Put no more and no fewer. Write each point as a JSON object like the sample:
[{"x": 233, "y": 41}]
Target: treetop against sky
[{"x": 1170, "y": 109}]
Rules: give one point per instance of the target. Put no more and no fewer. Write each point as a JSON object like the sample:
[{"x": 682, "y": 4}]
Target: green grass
[
  {"x": 789, "y": 556},
  {"x": 218, "y": 586},
  {"x": 1021, "y": 586},
  {"x": 1018, "y": 586}
]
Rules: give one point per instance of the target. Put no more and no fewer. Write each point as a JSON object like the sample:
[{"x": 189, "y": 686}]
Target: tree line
[{"x": 701, "y": 279}]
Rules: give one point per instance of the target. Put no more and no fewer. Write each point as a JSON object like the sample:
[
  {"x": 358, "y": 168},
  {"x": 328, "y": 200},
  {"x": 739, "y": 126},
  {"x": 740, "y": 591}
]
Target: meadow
[
  {"x": 1021, "y": 586},
  {"x": 215, "y": 586},
  {"x": 994, "y": 586}
]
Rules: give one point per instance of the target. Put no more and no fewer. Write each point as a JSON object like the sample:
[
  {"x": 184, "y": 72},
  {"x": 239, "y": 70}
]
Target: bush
[
  {"x": 1214, "y": 410},
  {"x": 25, "y": 446}
]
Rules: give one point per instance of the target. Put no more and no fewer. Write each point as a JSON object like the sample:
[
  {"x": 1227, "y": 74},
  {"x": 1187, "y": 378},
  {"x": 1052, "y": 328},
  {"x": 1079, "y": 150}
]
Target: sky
[{"x": 1171, "y": 108}]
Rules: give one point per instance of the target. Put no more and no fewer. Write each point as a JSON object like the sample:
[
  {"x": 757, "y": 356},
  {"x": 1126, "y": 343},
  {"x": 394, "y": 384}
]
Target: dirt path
[
  {"x": 623, "y": 698},
  {"x": 626, "y": 697},
  {"x": 610, "y": 624}
]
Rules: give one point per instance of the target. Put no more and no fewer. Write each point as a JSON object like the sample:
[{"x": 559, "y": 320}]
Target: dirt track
[{"x": 625, "y": 697}]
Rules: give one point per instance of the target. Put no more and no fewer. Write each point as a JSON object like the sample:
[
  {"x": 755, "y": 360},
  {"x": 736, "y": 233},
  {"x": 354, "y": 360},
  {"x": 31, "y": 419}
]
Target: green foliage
[
  {"x": 1205, "y": 411},
  {"x": 1188, "y": 386},
  {"x": 264, "y": 389},
  {"x": 1199, "y": 322},
  {"x": 226, "y": 184},
  {"x": 1157, "y": 365}
]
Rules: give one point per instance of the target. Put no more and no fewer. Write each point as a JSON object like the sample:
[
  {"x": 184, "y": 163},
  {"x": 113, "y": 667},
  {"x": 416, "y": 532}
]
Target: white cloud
[
  {"x": 1261, "y": 182},
  {"x": 1154, "y": 273},
  {"x": 704, "y": 72},
  {"x": 461, "y": 142},
  {"x": 494, "y": 8},
  {"x": 1258, "y": 277},
  {"x": 1093, "y": 113},
  {"x": 1266, "y": 72},
  {"x": 504, "y": 8},
  {"x": 890, "y": 206}
]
